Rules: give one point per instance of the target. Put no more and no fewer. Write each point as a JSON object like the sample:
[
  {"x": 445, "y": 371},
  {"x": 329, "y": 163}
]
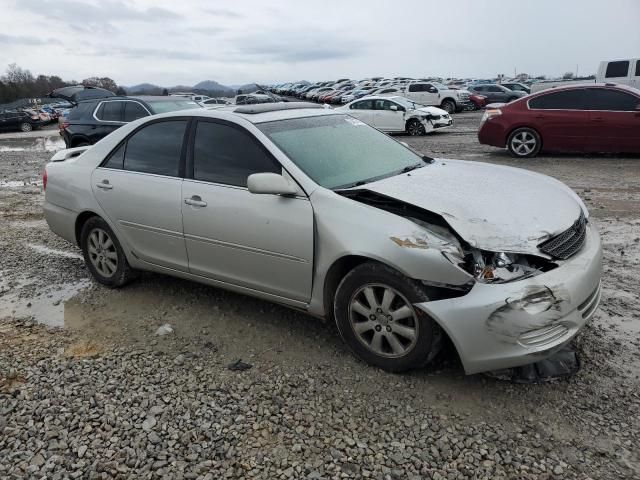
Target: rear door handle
[
  {"x": 540, "y": 116},
  {"x": 105, "y": 185},
  {"x": 598, "y": 119},
  {"x": 195, "y": 201}
]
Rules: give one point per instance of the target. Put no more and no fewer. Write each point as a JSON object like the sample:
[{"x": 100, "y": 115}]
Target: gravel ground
[{"x": 88, "y": 390}]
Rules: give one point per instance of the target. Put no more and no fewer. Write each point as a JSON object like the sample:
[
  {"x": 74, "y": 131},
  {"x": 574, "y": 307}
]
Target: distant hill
[
  {"x": 206, "y": 87},
  {"x": 144, "y": 89}
]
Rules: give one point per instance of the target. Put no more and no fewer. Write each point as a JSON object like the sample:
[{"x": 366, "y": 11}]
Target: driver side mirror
[
  {"x": 270, "y": 183},
  {"x": 394, "y": 108}
]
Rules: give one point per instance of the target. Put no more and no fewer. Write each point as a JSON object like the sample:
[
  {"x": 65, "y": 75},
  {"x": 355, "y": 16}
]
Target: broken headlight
[{"x": 501, "y": 267}]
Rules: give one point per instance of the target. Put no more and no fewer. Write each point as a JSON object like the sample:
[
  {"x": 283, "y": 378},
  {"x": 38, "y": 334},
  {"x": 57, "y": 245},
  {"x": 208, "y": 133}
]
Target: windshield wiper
[{"x": 412, "y": 167}]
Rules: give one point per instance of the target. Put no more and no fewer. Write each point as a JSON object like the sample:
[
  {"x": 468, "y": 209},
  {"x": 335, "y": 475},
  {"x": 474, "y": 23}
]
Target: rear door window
[
  {"x": 637, "y": 68},
  {"x": 134, "y": 111},
  {"x": 564, "y": 100},
  {"x": 156, "y": 148},
  {"x": 363, "y": 105},
  {"x": 416, "y": 87},
  {"x": 611, "y": 100},
  {"x": 617, "y": 69},
  {"x": 228, "y": 155},
  {"x": 110, "y": 112}
]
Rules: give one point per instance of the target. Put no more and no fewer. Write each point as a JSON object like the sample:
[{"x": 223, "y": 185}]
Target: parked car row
[{"x": 427, "y": 92}]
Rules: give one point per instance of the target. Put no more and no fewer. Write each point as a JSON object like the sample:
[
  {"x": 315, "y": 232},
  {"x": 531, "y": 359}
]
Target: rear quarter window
[{"x": 617, "y": 69}]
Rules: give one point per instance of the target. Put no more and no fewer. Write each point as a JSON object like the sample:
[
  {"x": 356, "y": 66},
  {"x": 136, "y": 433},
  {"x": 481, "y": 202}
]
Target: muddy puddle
[
  {"x": 38, "y": 144},
  {"x": 45, "y": 305}
]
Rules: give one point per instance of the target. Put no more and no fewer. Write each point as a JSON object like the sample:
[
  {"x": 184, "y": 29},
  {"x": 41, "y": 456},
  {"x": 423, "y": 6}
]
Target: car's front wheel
[
  {"x": 524, "y": 142},
  {"x": 375, "y": 314},
  {"x": 103, "y": 254},
  {"x": 415, "y": 127},
  {"x": 448, "y": 106},
  {"x": 26, "y": 127}
]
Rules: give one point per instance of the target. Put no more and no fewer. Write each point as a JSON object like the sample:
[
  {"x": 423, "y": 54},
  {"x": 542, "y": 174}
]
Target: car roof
[
  {"x": 618, "y": 86},
  {"x": 259, "y": 113}
]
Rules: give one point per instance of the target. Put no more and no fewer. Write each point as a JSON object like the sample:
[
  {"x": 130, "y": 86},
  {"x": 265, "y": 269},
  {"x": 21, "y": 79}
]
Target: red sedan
[{"x": 582, "y": 118}]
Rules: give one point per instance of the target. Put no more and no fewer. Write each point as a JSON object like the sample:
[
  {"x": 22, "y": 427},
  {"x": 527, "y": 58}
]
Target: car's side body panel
[{"x": 264, "y": 242}]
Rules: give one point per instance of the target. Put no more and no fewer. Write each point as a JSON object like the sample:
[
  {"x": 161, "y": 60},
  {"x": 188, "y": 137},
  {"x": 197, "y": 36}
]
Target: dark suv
[
  {"x": 18, "y": 120},
  {"x": 92, "y": 120}
]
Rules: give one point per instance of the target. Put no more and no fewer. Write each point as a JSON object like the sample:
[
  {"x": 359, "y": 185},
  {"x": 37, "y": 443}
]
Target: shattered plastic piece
[
  {"x": 239, "y": 366},
  {"x": 164, "y": 329},
  {"x": 563, "y": 363}
]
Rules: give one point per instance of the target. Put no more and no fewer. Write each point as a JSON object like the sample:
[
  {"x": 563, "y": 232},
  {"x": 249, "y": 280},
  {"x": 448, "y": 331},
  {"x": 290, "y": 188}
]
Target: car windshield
[
  {"x": 165, "y": 106},
  {"x": 338, "y": 151}
]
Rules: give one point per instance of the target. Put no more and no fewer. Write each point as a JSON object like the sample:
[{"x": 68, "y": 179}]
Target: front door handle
[
  {"x": 195, "y": 201},
  {"x": 105, "y": 185},
  {"x": 598, "y": 119}
]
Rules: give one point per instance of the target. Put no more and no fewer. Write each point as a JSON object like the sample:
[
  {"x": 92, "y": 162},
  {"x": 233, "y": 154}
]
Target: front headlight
[{"x": 500, "y": 267}]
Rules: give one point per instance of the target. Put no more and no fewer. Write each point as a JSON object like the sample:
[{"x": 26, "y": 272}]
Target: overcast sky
[{"x": 169, "y": 42}]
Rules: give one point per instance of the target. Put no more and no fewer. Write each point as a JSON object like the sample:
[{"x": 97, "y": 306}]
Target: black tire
[
  {"x": 427, "y": 339},
  {"x": 415, "y": 127},
  {"x": 448, "y": 106},
  {"x": 524, "y": 142},
  {"x": 26, "y": 127},
  {"x": 123, "y": 273}
]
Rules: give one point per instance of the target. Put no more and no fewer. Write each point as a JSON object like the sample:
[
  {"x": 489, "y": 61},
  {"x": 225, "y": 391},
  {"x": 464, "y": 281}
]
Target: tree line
[{"x": 19, "y": 83}]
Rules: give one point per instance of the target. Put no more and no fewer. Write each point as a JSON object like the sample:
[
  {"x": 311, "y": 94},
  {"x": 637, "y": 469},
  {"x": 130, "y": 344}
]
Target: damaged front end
[
  {"x": 515, "y": 308},
  {"x": 482, "y": 266}
]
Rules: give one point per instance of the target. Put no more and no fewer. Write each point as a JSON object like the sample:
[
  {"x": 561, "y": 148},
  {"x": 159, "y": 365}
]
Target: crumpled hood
[
  {"x": 492, "y": 207},
  {"x": 432, "y": 111}
]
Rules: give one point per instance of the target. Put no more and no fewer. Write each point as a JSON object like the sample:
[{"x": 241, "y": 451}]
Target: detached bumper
[{"x": 507, "y": 325}]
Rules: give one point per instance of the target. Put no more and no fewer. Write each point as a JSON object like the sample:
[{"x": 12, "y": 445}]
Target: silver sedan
[{"x": 318, "y": 211}]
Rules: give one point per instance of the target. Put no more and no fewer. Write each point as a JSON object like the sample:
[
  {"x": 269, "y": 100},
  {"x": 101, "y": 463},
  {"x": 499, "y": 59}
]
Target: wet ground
[{"x": 598, "y": 410}]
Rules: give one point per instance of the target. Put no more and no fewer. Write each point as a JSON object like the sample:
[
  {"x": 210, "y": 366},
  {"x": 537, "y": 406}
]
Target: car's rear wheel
[
  {"x": 103, "y": 254},
  {"x": 26, "y": 127},
  {"x": 375, "y": 314},
  {"x": 448, "y": 106},
  {"x": 524, "y": 142},
  {"x": 415, "y": 127}
]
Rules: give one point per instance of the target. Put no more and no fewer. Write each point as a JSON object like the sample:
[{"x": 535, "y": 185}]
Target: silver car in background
[{"x": 316, "y": 210}]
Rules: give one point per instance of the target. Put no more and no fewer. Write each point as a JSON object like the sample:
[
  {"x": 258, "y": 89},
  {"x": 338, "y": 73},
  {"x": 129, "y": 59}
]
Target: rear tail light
[
  {"x": 64, "y": 125},
  {"x": 44, "y": 179},
  {"x": 490, "y": 113}
]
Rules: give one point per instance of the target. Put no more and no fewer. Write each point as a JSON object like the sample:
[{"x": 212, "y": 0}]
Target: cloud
[
  {"x": 80, "y": 15},
  {"x": 20, "y": 40},
  {"x": 298, "y": 46},
  {"x": 142, "y": 53},
  {"x": 222, "y": 12}
]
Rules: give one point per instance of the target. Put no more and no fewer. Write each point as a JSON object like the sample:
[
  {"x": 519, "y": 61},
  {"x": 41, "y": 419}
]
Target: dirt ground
[{"x": 597, "y": 411}]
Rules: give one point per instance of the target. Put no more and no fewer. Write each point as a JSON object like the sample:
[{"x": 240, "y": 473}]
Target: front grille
[
  {"x": 567, "y": 243},
  {"x": 463, "y": 96}
]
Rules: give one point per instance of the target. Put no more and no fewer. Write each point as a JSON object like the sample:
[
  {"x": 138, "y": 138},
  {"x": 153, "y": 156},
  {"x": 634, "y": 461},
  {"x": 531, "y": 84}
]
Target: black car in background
[
  {"x": 496, "y": 93},
  {"x": 92, "y": 120},
  {"x": 19, "y": 120}
]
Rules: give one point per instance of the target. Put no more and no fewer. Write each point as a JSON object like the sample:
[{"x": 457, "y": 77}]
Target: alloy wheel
[
  {"x": 415, "y": 128},
  {"x": 102, "y": 252},
  {"x": 523, "y": 143},
  {"x": 383, "y": 320}
]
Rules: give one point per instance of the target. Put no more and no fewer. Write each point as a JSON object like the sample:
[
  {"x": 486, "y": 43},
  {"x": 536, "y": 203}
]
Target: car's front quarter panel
[
  {"x": 497, "y": 326},
  {"x": 346, "y": 228}
]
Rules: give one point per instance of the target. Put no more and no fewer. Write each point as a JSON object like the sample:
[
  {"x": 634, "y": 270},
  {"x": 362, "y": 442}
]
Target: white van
[{"x": 626, "y": 72}]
